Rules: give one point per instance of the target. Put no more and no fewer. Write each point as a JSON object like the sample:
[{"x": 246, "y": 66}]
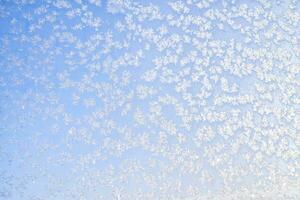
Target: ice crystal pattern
[{"x": 149, "y": 100}]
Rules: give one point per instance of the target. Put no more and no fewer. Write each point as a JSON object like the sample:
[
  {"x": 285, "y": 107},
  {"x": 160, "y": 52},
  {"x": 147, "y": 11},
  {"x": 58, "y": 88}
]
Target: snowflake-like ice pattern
[{"x": 149, "y": 100}]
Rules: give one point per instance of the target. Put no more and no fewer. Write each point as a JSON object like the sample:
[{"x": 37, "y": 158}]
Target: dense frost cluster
[{"x": 149, "y": 100}]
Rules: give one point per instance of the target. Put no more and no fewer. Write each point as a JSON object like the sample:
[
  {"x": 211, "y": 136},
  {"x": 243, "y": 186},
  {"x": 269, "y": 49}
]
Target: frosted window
[{"x": 149, "y": 100}]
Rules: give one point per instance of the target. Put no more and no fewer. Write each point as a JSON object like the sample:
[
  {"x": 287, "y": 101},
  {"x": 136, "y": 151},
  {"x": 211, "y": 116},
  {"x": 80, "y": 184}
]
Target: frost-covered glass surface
[{"x": 149, "y": 100}]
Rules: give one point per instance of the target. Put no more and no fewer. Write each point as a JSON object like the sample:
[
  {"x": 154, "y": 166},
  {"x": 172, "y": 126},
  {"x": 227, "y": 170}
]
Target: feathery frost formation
[{"x": 149, "y": 100}]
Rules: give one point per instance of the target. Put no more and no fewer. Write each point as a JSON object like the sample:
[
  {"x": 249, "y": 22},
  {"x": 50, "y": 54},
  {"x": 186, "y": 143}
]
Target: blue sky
[{"x": 82, "y": 118}]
